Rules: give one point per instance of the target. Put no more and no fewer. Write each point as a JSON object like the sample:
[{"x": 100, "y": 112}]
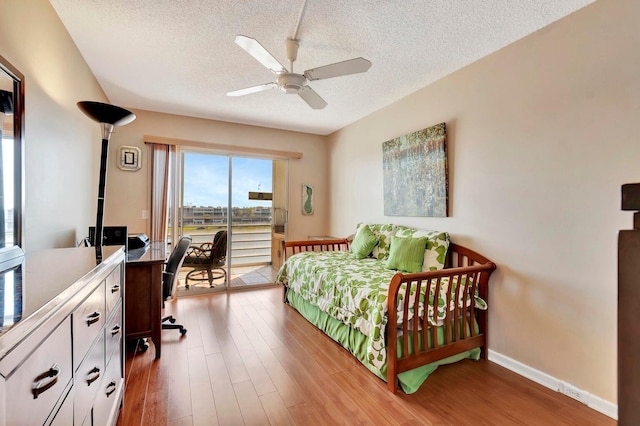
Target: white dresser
[{"x": 61, "y": 345}]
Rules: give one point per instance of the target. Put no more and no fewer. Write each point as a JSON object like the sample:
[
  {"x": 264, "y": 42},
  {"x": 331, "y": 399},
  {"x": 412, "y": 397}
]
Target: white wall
[
  {"x": 62, "y": 146},
  {"x": 128, "y": 193},
  {"x": 541, "y": 135}
]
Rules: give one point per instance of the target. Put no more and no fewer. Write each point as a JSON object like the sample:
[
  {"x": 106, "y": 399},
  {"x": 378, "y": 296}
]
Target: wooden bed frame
[{"x": 463, "y": 265}]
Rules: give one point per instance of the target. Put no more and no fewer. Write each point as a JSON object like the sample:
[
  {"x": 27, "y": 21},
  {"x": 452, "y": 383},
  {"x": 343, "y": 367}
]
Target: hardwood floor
[{"x": 249, "y": 359}]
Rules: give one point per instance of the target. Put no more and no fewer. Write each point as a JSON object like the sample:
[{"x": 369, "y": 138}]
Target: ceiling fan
[{"x": 290, "y": 82}]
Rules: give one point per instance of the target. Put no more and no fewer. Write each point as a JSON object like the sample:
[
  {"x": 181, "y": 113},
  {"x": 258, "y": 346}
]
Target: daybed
[{"x": 344, "y": 287}]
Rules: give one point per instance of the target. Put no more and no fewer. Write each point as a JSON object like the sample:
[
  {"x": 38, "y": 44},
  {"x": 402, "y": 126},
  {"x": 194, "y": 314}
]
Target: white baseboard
[{"x": 605, "y": 407}]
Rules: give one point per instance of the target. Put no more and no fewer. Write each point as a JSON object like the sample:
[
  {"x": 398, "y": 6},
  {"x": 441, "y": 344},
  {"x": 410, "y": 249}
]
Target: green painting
[
  {"x": 307, "y": 199},
  {"x": 415, "y": 174}
]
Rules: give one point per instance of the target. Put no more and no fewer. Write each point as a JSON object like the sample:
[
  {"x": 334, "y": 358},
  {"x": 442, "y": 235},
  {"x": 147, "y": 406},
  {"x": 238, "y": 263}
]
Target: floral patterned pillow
[
  {"x": 383, "y": 233},
  {"x": 437, "y": 246}
]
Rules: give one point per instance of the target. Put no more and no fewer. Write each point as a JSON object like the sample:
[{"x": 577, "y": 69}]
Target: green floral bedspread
[{"x": 354, "y": 292}]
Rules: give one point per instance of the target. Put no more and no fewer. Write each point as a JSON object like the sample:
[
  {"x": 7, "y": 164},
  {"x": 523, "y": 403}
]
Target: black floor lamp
[{"x": 109, "y": 116}]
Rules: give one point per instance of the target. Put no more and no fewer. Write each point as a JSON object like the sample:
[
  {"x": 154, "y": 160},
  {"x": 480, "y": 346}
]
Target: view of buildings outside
[
  {"x": 206, "y": 190},
  {"x": 206, "y": 198}
]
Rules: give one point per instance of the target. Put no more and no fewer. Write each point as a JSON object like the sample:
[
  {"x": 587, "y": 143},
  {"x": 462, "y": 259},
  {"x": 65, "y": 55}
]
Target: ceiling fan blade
[
  {"x": 253, "y": 89},
  {"x": 262, "y": 55},
  {"x": 312, "y": 98},
  {"x": 352, "y": 66}
]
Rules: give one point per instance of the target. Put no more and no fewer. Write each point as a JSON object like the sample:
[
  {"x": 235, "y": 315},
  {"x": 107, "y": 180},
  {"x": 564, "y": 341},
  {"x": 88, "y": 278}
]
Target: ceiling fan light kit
[
  {"x": 291, "y": 83},
  {"x": 288, "y": 81}
]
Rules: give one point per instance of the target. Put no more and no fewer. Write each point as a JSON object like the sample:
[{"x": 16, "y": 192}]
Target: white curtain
[{"x": 162, "y": 159}]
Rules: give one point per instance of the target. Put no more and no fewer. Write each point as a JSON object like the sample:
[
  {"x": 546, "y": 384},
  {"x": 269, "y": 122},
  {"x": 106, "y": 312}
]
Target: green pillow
[
  {"x": 406, "y": 254},
  {"x": 363, "y": 243}
]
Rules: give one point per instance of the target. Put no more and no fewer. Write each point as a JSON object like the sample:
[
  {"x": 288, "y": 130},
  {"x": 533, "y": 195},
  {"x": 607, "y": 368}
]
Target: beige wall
[
  {"x": 541, "y": 135},
  {"x": 128, "y": 192},
  {"x": 62, "y": 146}
]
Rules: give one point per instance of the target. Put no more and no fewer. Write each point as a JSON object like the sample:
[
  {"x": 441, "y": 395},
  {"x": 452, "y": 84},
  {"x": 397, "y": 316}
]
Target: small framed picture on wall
[{"x": 307, "y": 198}]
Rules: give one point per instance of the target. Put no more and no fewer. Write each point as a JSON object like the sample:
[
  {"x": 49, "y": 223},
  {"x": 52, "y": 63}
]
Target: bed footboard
[{"x": 418, "y": 336}]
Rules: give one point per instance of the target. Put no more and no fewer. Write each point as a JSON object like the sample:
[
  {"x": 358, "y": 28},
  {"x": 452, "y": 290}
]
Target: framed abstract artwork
[
  {"x": 307, "y": 198},
  {"x": 415, "y": 171}
]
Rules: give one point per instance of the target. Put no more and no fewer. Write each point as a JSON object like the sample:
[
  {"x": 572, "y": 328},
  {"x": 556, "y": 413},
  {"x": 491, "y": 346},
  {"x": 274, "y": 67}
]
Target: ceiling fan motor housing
[{"x": 291, "y": 83}]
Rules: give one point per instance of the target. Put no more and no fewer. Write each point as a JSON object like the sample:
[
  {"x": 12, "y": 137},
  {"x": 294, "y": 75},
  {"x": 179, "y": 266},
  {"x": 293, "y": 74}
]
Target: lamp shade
[{"x": 106, "y": 113}]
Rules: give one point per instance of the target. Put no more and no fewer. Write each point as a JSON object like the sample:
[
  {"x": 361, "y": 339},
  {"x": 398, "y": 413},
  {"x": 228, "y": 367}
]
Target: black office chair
[
  {"x": 170, "y": 277},
  {"x": 208, "y": 257}
]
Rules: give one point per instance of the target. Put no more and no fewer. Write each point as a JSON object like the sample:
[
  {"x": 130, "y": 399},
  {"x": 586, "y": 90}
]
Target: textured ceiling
[{"x": 179, "y": 56}]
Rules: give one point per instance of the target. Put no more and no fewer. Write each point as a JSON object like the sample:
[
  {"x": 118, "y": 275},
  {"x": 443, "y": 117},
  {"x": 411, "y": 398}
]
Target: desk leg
[{"x": 156, "y": 308}]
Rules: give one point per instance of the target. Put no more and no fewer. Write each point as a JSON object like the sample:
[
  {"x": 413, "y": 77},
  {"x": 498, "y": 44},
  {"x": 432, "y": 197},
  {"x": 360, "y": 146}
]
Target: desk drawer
[
  {"x": 36, "y": 386},
  {"x": 113, "y": 289},
  {"x": 88, "y": 380},
  {"x": 88, "y": 320}
]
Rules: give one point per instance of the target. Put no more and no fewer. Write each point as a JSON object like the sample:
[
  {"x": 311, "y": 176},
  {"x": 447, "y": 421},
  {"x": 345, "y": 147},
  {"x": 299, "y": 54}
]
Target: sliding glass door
[
  {"x": 251, "y": 201},
  {"x": 226, "y": 193}
]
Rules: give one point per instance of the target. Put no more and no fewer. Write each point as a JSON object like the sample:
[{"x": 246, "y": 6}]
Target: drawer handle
[
  {"x": 115, "y": 288},
  {"x": 94, "y": 374},
  {"x": 45, "y": 381},
  {"x": 115, "y": 330},
  {"x": 111, "y": 388},
  {"x": 93, "y": 318}
]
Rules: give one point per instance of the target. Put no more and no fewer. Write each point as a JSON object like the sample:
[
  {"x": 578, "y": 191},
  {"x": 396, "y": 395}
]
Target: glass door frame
[{"x": 176, "y": 193}]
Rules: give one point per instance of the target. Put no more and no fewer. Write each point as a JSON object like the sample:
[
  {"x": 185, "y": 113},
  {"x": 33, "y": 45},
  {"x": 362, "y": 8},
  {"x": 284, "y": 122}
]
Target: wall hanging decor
[
  {"x": 307, "y": 198},
  {"x": 129, "y": 158},
  {"x": 415, "y": 174}
]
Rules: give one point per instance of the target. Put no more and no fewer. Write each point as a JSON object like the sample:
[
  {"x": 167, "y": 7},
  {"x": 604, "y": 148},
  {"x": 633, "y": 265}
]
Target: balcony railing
[{"x": 250, "y": 244}]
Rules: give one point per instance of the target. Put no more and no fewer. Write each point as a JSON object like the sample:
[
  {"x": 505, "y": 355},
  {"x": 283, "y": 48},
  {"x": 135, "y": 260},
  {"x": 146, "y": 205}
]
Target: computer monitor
[{"x": 111, "y": 236}]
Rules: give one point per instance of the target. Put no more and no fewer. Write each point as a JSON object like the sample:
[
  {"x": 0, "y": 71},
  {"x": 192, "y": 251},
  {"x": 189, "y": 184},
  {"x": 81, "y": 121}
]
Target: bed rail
[
  {"x": 418, "y": 336},
  {"x": 294, "y": 247}
]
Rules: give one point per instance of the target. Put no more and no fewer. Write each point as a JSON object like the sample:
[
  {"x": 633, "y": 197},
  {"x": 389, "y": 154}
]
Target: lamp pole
[{"x": 109, "y": 116}]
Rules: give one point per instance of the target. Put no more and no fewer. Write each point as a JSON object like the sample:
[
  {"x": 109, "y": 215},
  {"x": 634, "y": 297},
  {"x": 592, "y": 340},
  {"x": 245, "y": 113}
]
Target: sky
[{"x": 206, "y": 180}]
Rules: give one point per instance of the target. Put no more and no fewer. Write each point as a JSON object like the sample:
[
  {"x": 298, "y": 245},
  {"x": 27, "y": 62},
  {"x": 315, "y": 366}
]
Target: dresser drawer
[
  {"x": 88, "y": 379},
  {"x": 64, "y": 416},
  {"x": 105, "y": 407},
  {"x": 88, "y": 320},
  {"x": 37, "y": 385},
  {"x": 114, "y": 332},
  {"x": 113, "y": 289}
]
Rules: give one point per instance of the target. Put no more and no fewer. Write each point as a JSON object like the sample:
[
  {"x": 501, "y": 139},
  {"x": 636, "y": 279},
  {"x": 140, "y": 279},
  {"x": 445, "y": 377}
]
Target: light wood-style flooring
[{"x": 249, "y": 359}]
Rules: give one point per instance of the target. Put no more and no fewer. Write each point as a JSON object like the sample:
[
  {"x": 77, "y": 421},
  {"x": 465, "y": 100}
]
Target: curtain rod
[{"x": 231, "y": 149}]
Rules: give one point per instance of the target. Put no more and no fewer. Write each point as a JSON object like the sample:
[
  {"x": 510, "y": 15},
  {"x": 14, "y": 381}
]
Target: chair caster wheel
[
  {"x": 143, "y": 345},
  {"x": 172, "y": 320},
  {"x": 186, "y": 286},
  {"x": 183, "y": 331}
]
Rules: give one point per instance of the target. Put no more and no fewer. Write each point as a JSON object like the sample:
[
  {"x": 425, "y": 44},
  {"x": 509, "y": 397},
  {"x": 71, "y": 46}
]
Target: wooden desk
[{"x": 143, "y": 293}]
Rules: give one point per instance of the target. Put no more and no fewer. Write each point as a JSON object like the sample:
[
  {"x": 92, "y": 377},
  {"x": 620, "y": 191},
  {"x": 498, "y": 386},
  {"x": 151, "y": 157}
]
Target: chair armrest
[
  {"x": 197, "y": 255},
  {"x": 197, "y": 250}
]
